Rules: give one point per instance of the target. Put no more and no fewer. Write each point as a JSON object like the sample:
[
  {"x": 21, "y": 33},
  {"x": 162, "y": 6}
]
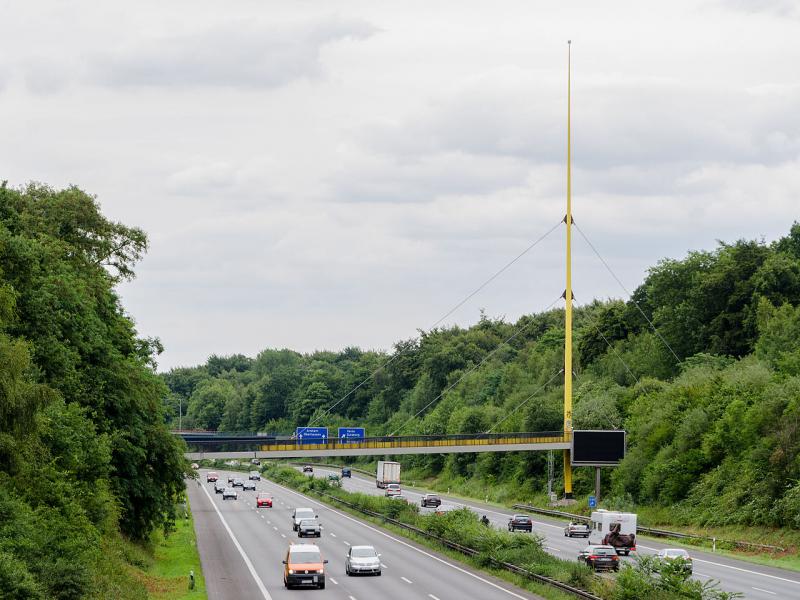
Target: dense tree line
[
  {"x": 85, "y": 455},
  {"x": 701, "y": 366}
]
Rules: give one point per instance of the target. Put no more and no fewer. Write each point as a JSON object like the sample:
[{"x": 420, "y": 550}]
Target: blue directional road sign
[
  {"x": 350, "y": 434},
  {"x": 311, "y": 435},
  {"x": 592, "y": 502}
]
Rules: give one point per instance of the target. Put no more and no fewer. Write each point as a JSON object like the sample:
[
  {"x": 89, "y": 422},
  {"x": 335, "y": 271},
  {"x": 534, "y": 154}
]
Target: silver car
[
  {"x": 229, "y": 492},
  {"x": 309, "y": 528},
  {"x": 362, "y": 560}
]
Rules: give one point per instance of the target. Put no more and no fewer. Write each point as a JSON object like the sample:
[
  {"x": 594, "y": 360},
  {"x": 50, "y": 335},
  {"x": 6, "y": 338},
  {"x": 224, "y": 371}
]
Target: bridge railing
[{"x": 278, "y": 443}]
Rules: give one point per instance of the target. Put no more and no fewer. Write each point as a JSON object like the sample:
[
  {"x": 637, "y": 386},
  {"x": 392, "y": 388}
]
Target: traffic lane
[
  {"x": 226, "y": 574},
  {"x": 755, "y": 581},
  {"x": 410, "y": 570}
]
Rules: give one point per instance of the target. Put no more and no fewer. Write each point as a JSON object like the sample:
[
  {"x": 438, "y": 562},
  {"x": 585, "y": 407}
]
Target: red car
[
  {"x": 211, "y": 476},
  {"x": 263, "y": 500}
]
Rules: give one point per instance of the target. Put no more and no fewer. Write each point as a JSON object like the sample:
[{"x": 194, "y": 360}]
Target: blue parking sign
[{"x": 592, "y": 502}]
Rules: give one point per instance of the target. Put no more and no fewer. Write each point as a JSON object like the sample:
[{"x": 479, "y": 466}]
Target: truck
[
  {"x": 613, "y": 528},
  {"x": 388, "y": 472}
]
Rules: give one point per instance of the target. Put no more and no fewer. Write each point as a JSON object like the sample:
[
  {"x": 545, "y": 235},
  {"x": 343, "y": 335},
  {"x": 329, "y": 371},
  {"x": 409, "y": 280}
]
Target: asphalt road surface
[
  {"x": 756, "y": 582},
  {"x": 241, "y": 548}
]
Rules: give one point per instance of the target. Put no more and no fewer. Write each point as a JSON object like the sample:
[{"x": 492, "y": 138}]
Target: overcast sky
[{"x": 316, "y": 175}]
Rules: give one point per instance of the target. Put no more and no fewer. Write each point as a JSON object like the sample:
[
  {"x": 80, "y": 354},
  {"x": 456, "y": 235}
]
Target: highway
[
  {"x": 756, "y": 582},
  {"x": 241, "y": 548}
]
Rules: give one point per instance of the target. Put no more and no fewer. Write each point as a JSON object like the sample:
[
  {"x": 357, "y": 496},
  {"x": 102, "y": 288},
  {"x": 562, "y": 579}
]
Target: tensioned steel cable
[
  {"x": 485, "y": 358},
  {"x": 635, "y": 303},
  {"x": 528, "y": 399},
  {"x": 614, "y": 350},
  {"x": 400, "y": 353}
]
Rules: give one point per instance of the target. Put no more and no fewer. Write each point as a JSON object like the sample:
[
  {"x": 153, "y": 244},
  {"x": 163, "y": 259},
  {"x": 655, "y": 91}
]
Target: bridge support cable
[
  {"x": 524, "y": 402},
  {"x": 469, "y": 296},
  {"x": 475, "y": 367},
  {"x": 635, "y": 303},
  {"x": 614, "y": 350}
]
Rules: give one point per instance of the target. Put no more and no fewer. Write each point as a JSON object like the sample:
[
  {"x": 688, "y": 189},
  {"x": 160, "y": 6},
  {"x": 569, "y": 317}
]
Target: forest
[
  {"x": 701, "y": 366},
  {"x": 88, "y": 467}
]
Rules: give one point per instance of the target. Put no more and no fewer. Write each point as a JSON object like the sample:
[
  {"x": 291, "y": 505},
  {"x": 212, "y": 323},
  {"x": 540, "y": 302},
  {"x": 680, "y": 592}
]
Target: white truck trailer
[
  {"x": 388, "y": 472},
  {"x": 616, "y": 529}
]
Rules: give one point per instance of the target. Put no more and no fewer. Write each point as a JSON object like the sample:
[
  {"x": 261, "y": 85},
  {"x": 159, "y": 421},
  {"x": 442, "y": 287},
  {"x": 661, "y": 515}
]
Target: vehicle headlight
[{"x": 291, "y": 571}]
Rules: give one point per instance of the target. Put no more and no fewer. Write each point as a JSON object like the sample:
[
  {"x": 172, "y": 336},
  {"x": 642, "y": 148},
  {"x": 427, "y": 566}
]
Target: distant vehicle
[
  {"x": 231, "y": 478},
  {"x": 255, "y": 461},
  {"x": 675, "y": 555},
  {"x": 346, "y": 472},
  {"x": 393, "y": 489},
  {"x": 195, "y": 466},
  {"x": 301, "y": 513},
  {"x": 520, "y": 523},
  {"x": 362, "y": 560},
  {"x": 430, "y": 500},
  {"x": 219, "y": 487},
  {"x": 574, "y": 529},
  {"x": 211, "y": 476},
  {"x": 388, "y": 472},
  {"x": 229, "y": 492},
  {"x": 600, "y": 558},
  {"x": 304, "y": 566},
  {"x": 249, "y": 485},
  {"x": 255, "y": 476},
  {"x": 263, "y": 500},
  {"x": 238, "y": 482},
  {"x": 613, "y": 528},
  {"x": 308, "y": 469},
  {"x": 333, "y": 477},
  {"x": 309, "y": 528},
  {"x": 399, "y": 497}
]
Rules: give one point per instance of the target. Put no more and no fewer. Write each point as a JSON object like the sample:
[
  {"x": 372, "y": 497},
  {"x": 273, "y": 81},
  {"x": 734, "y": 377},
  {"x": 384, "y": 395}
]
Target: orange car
[
  {"x": 304, "y": 567},
  {"x": 263, "y": 500}
]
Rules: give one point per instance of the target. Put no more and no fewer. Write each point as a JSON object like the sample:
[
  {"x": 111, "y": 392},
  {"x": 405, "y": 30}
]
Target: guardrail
[
  {"x": 656, "y": 532},
  {"x": 470, "y": 551}
]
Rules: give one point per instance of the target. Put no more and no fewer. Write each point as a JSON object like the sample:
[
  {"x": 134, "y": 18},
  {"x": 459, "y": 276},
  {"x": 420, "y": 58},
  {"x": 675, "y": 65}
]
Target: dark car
[
  {"x": 309, "y": 528},
  {"x": 430, "y": 500},
  {"x": 249, "y": 485},
  {"x": 520, "y": 523},
  {"x": 346, "y": 472},
  {"x": 219, "y": 487},
  {"x": 231, "y": 478},
  {"x": 255, "y": 476},
  {"x": 600, "y": 558},
  {"x": 238, "y": 482},
  {"x": 308, "y": 469},
  {"x": 229, "y": 492}
]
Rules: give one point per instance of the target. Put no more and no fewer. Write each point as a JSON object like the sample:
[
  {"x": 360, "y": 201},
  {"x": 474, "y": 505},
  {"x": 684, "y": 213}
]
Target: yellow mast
[{"x": 568, "y": 291}]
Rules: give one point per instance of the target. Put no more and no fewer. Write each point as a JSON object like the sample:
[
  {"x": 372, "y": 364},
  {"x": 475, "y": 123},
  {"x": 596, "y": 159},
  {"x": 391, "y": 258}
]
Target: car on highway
[
  {"x": 346, "y": 472},
  {"x": 211, "y": 476},
  {"x": 231, "y": 479},
  {"x": 219, "y": 487},
  {"x": 676, "y": 556},
  {"x": 229, "y": 492},
  {"x": 255, "y": 461},
  {"x": 309, "y": 528},
  {"x": 333, "y": 477},
  {"x": 520, "y": 523},
  {"x": 393, "y": 489},
  {"x": 362, "y": 560},
  {"x": 263, "y": 500},
  {"x": 308, "y": 469},
  {"x": 249, "y": 485},
  {"x": 398, "y": 497},
  {"x": 238, "y": 482},
  {"x": 430, "y": 500},
  {"x": 574, "y": 529},
  {"x": 600, "y": 558},
  {"x": 304, "y": 567},
  {"x": 301, "y": 513},
  {"x": 195, "y": 466},
  {"x": 254, "y": 476}
]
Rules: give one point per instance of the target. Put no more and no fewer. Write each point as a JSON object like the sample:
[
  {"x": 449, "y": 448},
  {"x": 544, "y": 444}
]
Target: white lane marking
[
  {"x": 261, "y": 587},
  {"x": 709, "y": 562},
  {"x": 406, "y": 544},
  {"x": 275, "y": 528},
  {"x": 406, "y": 580},
  {"x": 383, "y": 566},
  {"x": 333, "y": 534},
  {"x": 346, "y": 543},
  {"x": 767, "y": 591},
  {"x": 351, "y": 598},
  {"x": 432, "y": 596},
  {"x": 283, "y": 535},
  {"x": 334, "y": 581}
]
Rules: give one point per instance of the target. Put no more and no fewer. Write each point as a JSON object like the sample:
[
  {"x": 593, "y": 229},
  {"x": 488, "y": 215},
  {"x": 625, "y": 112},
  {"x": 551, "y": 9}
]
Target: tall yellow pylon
[{"x": 568, "y": 291}]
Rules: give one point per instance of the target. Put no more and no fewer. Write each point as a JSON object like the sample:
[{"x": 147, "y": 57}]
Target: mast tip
[{"x": 569, "y": 41}]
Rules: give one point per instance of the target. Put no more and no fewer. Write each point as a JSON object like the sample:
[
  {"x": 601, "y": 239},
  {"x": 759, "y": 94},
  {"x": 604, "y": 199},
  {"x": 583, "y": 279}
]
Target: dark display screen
[{"x": 597, "y": 447}]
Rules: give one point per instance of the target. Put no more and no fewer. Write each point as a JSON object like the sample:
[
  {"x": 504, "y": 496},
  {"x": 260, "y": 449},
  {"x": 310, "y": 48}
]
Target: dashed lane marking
[
  {"x": 766, "y": 591},
  {"x": 334, "y": 581},
  {"x": 432, "y": 596},
  {"x": 406, "y": 580}
]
